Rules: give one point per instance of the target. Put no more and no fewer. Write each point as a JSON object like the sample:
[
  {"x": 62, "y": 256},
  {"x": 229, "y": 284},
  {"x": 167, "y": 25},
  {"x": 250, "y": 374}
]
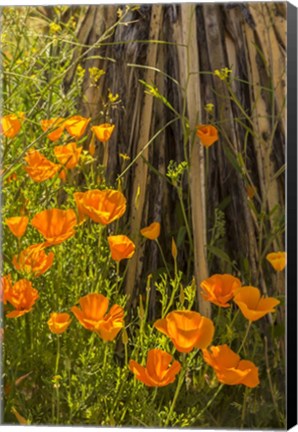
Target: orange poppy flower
[
  {"x": 121, "y": 247},
  {"x": 39, "y": 167},
  {"x": 229, "y": 368},
  {"x": 22, "y": 297},
  {"x": 220, "y": 288},
  {"x": 252, "y": 305},
  {"x": 51, "y": 125},
  {"x": 152, "y": 231},
  {"x": 158, "y": 372},
  {"x": 208, "y": 134},
  {"x": 59, "y": 322},
  {"x": 103, "y": 131},
  {"x": 33, "y": 260},
  {"x": 68, "y": 155},
  {"x": 76, "y": 125},
  {"x": 186, "y": 329},
  {"x": 55, "y": 225},
  {"x": 278, "y": 260},
  {"x": 102, "y": 206},
  {"x": 5, "y": 288},
  {"x": 17, "y": 225},
  {"x": 93, "y": 317},
  {"x": 10, "y": 124}
]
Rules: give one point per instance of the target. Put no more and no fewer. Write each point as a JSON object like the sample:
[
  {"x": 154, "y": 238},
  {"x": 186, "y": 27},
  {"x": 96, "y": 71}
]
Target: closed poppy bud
[
  {"x": 174, "y": 249},
  {"x": 19, "y": 417},
  {"x": 278, "y": 260},
  {"x": 38, "y": 167},
  {"x": 92, "y": 146},
  {"x": 10, "y": 124},
  {"x": 56, "y": 125},
  {"x": 93, "y": 316},
  {"x": 33, "y": 260},
  {"x": 68, "y": 154},
  {"x": 187, "y": 330},
  {"x": 59, "y": 322},
  {"x": 76, "y": 125},
  {"x": 220, "y": 288},
  {"x": 208, "y": 134},
  {"x": 158, "y": 372},
  {"x": 229, "y": 368},
  {"x": 103, "y": 131},
  {"x": 55, "y": 225},
  {"x": 17, "y": 225},
  {"x": 102, "y": 206},
  {"x": 22, "y": 297},
  {"x": 252, "y": 305},
  {"x": 121, "y": 247},
  {"x": 152, "y": 231}
]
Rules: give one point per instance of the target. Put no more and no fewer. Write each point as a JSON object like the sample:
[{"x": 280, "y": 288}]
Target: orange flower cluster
[
  {"x": 228, "y": 367},
  {"x": 152, "y": 231},
  {"x": 158, "y": 372},
  {"x": 22, "y": 297},
  {"x": 17, "y": 225},
  {"x": 75, "y": 126},
  {"x": 10, "y": 124},
  {"x": 278, "y": 260},
  {"x": 208, "y": 134},
  {"x": 33, "y": 260},
  {"x": 39, "y": 167},
  {"x": 51, "y": 124},
  {"x": 93, "y": 317},
  {"x": 102, "y": 206},
  {"x": 187, "y": 330},
  {"x": 59, "y": 322},
  {"x": 55, "y": 225},
  {"x": 68, "y": 155},
  {"x": 103, "y": 131},
  {"x": 121, "y": 247},
  {"x": 252, "y": 305},
  {"x": 219, "y": 289}
]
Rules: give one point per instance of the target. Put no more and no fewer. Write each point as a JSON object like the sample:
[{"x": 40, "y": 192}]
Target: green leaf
[{"x": 219, "y": 253}]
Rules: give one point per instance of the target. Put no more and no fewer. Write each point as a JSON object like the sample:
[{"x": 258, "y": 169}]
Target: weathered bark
[{"x": 250, "y": 39}]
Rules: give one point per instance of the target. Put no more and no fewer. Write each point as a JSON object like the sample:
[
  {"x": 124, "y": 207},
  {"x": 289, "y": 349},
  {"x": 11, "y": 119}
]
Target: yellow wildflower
[{"x": 223, "y": 73}]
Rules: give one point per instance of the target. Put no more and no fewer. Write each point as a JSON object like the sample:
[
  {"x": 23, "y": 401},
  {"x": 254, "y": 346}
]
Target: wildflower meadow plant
[{"x": 124, "y": 304}]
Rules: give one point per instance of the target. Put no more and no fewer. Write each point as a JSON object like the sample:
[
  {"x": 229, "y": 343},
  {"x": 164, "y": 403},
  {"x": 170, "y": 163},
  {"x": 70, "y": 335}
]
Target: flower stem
[
  {"x": 178, "y": 388},
  {"x": 163, "y": 258},
  {"x": 245, "y": 336}
]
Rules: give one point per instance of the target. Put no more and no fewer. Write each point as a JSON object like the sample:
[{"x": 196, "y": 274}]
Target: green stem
[
  {"x": 105, "y": 355},
  {"x": 210, "y": 402},
  {"x": 171, "y": 299},
  {"x": 57, "y": 355},
  {"x": 244, "y": 407},
  {"x": 178, "y": 388},
  {"x": 163, "y": 258},
  {"x": 245, "y": 336},
  {"x": 179, "y": 190}
]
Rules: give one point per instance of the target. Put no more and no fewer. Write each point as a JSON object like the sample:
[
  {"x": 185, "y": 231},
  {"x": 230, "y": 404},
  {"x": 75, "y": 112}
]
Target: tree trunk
[{"x": 240, "y": 179}]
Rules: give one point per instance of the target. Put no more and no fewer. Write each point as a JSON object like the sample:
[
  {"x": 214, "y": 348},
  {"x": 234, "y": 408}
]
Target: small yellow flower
[
  {"x": 209, "y": 107},
  {"x": 96, "y": 74},
  {"x": 124, "y": 156},
  {"x": 119, "y": 13},
  {"x": 223, "y": 73},
  {"x": 113, "y": 98},
  {"x": 80, "y": 71},
  {"x": 54, "y": 28}
]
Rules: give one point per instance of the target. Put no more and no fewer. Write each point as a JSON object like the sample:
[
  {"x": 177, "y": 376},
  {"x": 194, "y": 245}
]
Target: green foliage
[{"x": 76, "y": 378}]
